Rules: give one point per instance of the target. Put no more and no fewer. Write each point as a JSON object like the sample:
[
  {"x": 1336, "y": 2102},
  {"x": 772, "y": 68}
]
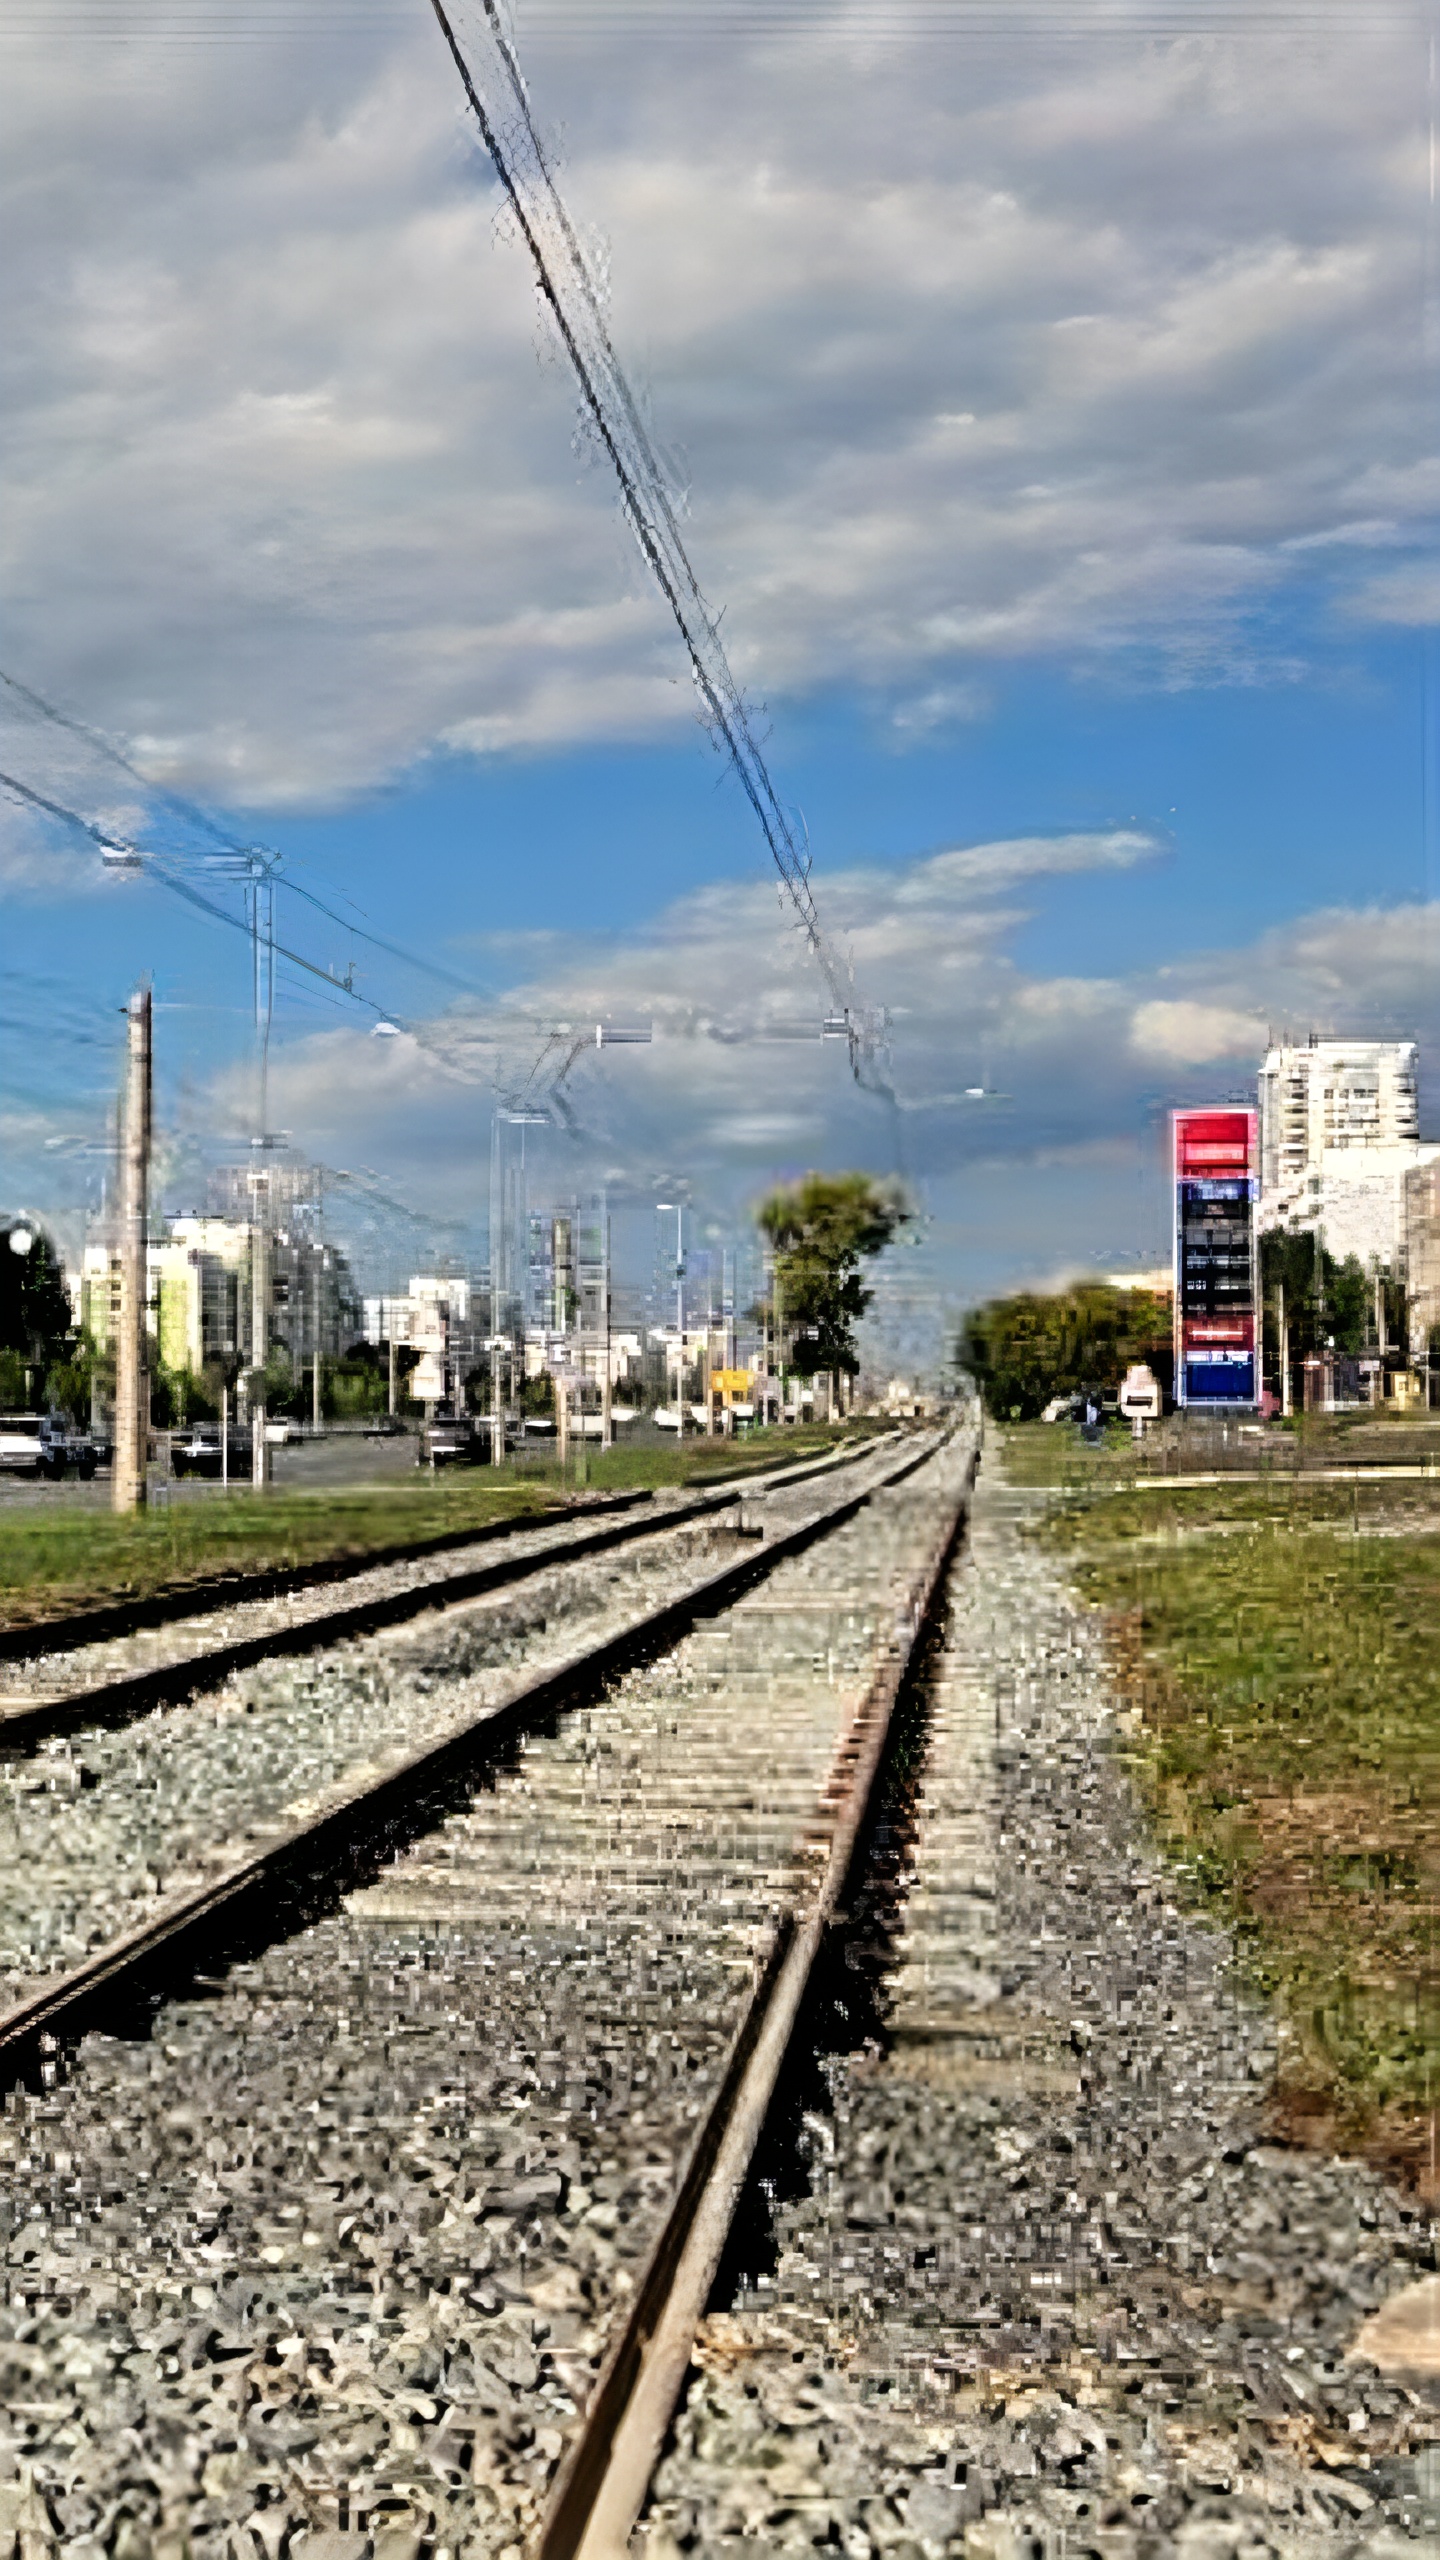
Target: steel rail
[
  {"x": 602, "y": 2484},
  {"x": 266, "y": 1895},
  {"x": 112, "y": 1620},
  {"x": 121, "y": 1699}
]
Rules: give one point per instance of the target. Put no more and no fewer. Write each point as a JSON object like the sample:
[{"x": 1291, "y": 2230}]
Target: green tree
[
  {"x": 1024, "y": 1350},
  {"x": 357, "y": 1385},
  {"x": 1328, "y": 1304},
  {"x": 821, "y": 1230},
  {"x": 36, "y": 1324}
]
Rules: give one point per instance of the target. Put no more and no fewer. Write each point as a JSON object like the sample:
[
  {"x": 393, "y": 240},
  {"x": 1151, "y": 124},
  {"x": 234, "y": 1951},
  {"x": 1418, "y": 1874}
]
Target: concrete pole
[
  {"x": 497, "y": 1404},
  {"x": 132, "y": 1381},
  {"x": 315, "y": 1345},
  {"x": 607, "y": 1426},
  {"x": 1286, "y": 1399},
  {"x": 562, "y": 1422},
  {"x": 259, "y": 1342},
  {"x": 390, "y": 1348}
]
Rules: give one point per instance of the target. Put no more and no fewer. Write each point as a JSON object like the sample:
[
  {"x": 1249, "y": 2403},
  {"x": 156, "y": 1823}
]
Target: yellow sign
[{"x": 732, "y": 1382}]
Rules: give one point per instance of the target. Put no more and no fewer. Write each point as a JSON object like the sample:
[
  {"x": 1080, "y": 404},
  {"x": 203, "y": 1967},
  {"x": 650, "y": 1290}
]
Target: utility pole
[
  {"x": 390, "y": 1348},
  {"x": 1382, "y": 1338},
  {"x": 315, "y": 1334},
  {"x": 679, "y": 1207},
  {"x": 607, "y": 1426},
  {"x": 259, "y": 1329},
  {"x": 132, "y": 1381},
  {"x": 1285, "y": 1405}
]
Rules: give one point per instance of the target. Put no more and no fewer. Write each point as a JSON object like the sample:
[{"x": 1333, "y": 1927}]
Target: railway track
[
  {"x": 121, "y": 1831},
  {"x": 389, "y": 2236},
  {"x": 107, "y": 1666}
]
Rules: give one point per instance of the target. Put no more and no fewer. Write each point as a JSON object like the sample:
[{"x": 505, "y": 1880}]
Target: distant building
[
  {"x": 1339, "y": 1136},
  {"x": 200, "y": 1295},
  {"x": 435, "y": 1319}
]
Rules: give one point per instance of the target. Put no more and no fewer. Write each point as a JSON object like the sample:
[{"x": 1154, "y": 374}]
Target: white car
[
  {"x": 22, "y": 1442},
  {"x": 42, "y": 1444}
]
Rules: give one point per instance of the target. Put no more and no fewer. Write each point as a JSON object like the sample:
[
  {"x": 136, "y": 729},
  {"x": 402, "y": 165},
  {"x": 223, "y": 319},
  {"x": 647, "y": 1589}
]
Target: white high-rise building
[{"x": 1339, "y": 1132}]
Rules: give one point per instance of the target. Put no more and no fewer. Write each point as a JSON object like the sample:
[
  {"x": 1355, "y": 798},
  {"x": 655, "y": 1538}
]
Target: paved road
[{"x": 312, "y": 1466}]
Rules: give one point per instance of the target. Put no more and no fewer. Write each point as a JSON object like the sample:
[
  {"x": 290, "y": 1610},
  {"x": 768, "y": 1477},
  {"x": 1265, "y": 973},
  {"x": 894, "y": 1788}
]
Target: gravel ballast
[
  {"x": 99, "y": 1828},
  {"x": 326, "y": 2266},
  {"x": 1046, "y": 2288}
]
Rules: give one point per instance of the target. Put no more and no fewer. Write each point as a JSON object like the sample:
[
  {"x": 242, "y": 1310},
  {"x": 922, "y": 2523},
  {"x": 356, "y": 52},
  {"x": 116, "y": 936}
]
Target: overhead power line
[
  {"x": 491, "y": 78},
  {"x": 248, "y": 857},
  {"x": 126, "y": 856}
]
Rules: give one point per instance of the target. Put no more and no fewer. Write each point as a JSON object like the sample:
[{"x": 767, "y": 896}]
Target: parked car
[
  {"x": 44, "y": 1444},
  {"x": 195, "y": 1451},
  {"x": 81, "y": 1450},
  {"x": 452, "y": 1439}
]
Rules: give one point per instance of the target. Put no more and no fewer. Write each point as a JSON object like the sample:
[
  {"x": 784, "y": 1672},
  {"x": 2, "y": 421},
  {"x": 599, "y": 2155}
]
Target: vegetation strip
[
  {"x": 273, "y": 1582},
  {"x": 117, "y": 1701},
  {"x": 60, "y": 1563},
  {"x": 1280, "y": 1652},
  {"x": 378, "y": 1812},
  {"x": 1403, "y": 1470}
]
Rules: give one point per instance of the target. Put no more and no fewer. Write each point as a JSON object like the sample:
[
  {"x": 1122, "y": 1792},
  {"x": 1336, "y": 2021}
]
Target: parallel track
[
  {"x": 374, "y": 1817},
  {"x": 120, "y": 1698},
  {"x": 264, "y": 1901}
]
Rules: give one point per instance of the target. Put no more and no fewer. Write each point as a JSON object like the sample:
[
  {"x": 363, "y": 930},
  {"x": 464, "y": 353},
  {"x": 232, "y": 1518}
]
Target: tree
[
  {"x": 1329, "y": 1305},
  {"x": 1021, "y": 1351},
  {"x": 36, "y": 1324},
  {"x": 821, "y": 1229}
]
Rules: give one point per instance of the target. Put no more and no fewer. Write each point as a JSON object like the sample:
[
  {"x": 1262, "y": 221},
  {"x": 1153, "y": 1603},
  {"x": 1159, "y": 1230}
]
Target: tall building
[
  {"x": 200, "y": 1292},
  {"x": 1339, "y": 1133}
]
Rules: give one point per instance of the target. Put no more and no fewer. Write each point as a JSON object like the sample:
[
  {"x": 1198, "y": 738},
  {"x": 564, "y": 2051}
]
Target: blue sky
[
  {"x": 1265, "y": 799},
  {"x": 1055, "y": 426}
]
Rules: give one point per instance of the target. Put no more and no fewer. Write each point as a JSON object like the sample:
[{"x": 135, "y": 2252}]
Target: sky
[{"x": 1049, "y": 395}]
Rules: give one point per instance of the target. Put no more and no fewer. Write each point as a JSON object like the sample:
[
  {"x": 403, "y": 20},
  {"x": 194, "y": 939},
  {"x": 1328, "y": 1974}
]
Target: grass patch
[
  {"x": 53, "y": 1561},
  {"x": 1281, "y": 1648},
  {"x": 1054, "y": 1454}
]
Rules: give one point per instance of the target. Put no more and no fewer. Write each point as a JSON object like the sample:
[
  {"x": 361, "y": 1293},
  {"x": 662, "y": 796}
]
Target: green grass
[
  {"x": 1281, "y": 1645},
  {"x": 53, "y": 1561},
  {"x": 1053, "y": 1453}
]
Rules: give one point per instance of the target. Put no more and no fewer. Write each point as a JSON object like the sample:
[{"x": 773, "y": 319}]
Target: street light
[{"x": 663, "y": 1208}]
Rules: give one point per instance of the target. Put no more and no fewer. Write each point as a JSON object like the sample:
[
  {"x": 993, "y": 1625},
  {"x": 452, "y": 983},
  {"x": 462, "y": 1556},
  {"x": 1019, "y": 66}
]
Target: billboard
[{"x": 1217, "y": 1296}]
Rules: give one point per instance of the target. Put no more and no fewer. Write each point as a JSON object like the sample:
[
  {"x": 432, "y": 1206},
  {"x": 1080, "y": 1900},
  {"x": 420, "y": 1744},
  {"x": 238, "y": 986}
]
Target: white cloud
[
  {"x": 1076, "y": 1072},
  {"x": 1409, "y": 596},
  {"x": 1188, "y": 1034},
  {"x": 966, "y": 353},
  {"x": 972, "y": 869}
]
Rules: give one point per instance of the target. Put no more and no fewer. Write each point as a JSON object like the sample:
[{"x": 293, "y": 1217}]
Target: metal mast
[{"x": 132, "y": 1382}]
